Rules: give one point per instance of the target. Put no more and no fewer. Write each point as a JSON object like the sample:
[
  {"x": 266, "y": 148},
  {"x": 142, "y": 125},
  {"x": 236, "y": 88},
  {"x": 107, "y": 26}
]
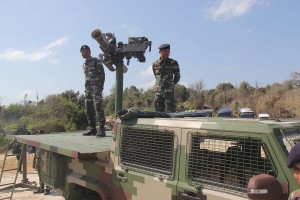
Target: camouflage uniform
[
  {"x": 38, "y": 167},
  {"x": 167, "y": 74},
  {"x": 94, "y": 81},
  {"x": 295, "y": 195}
]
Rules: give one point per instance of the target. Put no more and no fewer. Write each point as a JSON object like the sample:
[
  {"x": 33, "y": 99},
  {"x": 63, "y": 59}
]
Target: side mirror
[{"x": 266, "y": 187}]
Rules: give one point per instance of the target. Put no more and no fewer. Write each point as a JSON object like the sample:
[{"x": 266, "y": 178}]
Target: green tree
[
  {"x": 13, "y": 112},
  {"x": 197, "y": 97}
]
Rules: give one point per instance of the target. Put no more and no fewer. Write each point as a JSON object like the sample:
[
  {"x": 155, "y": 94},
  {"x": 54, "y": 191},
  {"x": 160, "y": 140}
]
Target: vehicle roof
[
  {"x": 263, "y": 115},
  {"x": 224, "y": 110},
  {"x": 246, "y": 110},
  {"x": 214, "y": 123},
  {"x": 71, "y": 144}
]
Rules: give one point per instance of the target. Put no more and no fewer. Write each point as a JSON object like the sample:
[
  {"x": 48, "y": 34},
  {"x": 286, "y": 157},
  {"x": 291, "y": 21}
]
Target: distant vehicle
[
  {"x": 225, "y": 112},
  {"x": 246, "y": 113},
  {"x": 263, "y": 116}
]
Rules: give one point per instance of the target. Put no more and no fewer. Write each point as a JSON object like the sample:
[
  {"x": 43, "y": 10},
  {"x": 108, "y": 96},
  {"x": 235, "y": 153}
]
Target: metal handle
[
  {"x": 121, "y": 177},
  {"x": 185, "y": 196}
]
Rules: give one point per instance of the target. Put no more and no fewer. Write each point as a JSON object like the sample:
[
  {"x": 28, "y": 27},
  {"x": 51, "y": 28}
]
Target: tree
[
  {"x": 295, "y": 78},
  {"x": 75, "y": 97},
  {"x": 180, "y": 92},
  {"x": 197, "y": 95},
  {"x": 13, "y": 112},
  {"x": 244, "y": 95},
  {"x": 224, "y": 94}
]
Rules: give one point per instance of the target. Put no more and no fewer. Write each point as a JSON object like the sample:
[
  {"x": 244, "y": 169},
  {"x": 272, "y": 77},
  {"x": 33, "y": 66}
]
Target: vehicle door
[{"x": 145, "y": 163}]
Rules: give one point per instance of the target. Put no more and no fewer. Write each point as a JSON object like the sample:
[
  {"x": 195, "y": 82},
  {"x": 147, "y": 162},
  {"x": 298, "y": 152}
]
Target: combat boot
[
  {"x": 38, "y": 191},
  {"x": 47, "y": 191},
  {"x": 92, "y": 131},
  {"x": 101, "y": 133}
]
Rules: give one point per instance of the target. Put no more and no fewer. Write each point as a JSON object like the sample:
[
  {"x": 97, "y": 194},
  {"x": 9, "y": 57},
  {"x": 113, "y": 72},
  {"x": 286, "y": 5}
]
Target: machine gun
[{"x": 114, "y": 54}]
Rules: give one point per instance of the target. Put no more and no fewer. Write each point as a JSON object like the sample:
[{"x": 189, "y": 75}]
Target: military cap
[
  {"x": 294, "y": 156},
  {"x": 84, "y": 47},
  {"x": 164, "y": 46}
]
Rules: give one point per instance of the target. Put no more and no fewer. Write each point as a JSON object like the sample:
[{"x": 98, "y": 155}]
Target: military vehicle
[{"x": 166, "y": 156}]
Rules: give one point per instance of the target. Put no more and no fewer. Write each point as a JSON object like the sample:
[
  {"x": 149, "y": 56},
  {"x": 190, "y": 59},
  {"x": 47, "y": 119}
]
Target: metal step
[
  {"x": 6, "y": 198},
  {"x": 6, "y": 170},
  {"x": 7, "y": 184}
]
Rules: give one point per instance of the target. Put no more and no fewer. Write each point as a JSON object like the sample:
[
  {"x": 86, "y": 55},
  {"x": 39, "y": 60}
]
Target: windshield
[
  {"x": 289, "y": 137},
  {"x": 247, "y": 115}
]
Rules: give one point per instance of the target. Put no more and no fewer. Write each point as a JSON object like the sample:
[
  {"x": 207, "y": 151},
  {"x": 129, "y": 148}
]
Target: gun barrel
[{"x": 100, "y": 38}]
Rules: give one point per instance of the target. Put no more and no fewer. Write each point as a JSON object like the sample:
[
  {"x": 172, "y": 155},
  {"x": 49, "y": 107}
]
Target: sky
[{"x": 214, "y": 41}]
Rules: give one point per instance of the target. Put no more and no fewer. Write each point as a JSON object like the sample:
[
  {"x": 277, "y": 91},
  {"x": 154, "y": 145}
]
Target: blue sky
[{"x": 216, "y": 41}]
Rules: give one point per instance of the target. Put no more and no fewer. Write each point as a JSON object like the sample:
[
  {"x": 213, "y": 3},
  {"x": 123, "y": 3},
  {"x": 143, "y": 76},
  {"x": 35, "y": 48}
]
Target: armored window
[
  {"x": 288, "y": 138},
  {"x": 226, "y": 163},
  {"x": 150, "y": 151}
]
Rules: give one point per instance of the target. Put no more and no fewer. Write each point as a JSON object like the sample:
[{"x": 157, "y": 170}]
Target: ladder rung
[
  {"x": 11, "y": 155},
  {"x": 6, "y": 170},
  {"x": 7, "y": 184},
  {"x": 5, "y": 198}
]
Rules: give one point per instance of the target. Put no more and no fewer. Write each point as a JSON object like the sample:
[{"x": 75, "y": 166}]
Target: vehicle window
[
  {"x": 150, "y": 151},
  {"x": 247, "y": 115},
  {"x": 288, "y": 138},
  {"x": 226, "y": 163}
]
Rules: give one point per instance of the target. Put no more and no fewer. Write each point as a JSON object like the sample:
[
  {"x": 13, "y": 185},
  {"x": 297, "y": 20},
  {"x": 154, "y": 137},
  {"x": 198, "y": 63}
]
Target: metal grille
[
  {"x": 150, "y": 151},
  {"x": 226, "y": 163},
  {"x": 289, "y": 137}
]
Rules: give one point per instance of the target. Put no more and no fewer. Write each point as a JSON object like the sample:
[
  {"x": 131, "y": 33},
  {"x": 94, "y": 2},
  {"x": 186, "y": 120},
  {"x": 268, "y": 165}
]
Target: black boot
[
  {"x": 47, "y": 191},
  {"x": 38, "y": 191},
  {"x": 101, "y": 133},
  {"x": 92, "y": 131}
]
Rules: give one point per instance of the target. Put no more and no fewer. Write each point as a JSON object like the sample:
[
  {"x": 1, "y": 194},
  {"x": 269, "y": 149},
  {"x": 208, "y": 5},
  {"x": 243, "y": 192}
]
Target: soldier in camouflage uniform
[
  {"x": 293, "y": 162},
  {"x": 38, "y": 167},
  {"x": 167, "y": 74},
  {"x": 94, "y": 82}
]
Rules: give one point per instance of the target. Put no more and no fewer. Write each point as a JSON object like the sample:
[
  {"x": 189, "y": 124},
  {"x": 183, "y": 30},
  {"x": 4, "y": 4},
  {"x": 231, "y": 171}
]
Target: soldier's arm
[
  {"x": 176, "y": 72},
  {"x": 153, "y": 66}
]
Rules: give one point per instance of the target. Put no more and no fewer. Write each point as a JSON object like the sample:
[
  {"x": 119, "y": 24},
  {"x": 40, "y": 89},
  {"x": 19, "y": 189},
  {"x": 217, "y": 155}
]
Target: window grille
[
  {"x": 289, "y": 137},
  {"x": 150, "y": 151},
  {"x": 226, "y": 163}
]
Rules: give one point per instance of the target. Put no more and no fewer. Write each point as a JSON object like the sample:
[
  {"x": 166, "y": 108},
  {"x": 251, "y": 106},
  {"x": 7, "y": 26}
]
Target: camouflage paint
[{"x": 98, "y": 169}]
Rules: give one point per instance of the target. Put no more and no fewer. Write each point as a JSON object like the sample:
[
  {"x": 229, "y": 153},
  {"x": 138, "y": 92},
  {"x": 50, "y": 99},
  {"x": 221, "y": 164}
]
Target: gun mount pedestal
[{"x": 119, "y": 85}]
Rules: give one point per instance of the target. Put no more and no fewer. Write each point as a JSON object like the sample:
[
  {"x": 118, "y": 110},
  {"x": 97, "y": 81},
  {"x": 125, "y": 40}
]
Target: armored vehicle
[{"x": 167, "y": 158}]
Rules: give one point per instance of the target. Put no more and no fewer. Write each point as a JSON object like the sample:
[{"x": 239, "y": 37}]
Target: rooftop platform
[{"x": 71, "y": 144}]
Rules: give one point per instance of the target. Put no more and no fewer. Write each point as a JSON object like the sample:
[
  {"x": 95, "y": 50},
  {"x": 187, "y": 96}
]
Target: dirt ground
[{"x": 25, "y": 192}]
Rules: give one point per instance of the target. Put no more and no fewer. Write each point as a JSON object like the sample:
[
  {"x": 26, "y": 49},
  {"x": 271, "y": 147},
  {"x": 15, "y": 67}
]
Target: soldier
[
  {"x": 293, "y": 162},
  {"x": 17, "y": 150},
  {"x": 167, "y": 74},
  {"x": 94, "y": 81},
  {"x": 38, "y": 167}
]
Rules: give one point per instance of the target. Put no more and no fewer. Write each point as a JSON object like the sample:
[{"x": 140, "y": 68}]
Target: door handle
[
  {"x": 121, "y": 177},
  {"x": 185, "y": 196}
]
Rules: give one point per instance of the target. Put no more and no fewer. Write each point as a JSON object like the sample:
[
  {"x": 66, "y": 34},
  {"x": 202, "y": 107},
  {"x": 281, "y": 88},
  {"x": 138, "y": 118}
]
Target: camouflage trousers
[
  {"x": 38, "y": 167},
  {"x": 94, "y": 103},
  {"x": 165, "y": 100}
]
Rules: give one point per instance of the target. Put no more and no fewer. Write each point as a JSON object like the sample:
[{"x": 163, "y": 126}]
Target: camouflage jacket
[
  {"x": 295, "y": 195},
  {"x": 93, "y": 70},
  {"x": 167, "y": 74}
]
